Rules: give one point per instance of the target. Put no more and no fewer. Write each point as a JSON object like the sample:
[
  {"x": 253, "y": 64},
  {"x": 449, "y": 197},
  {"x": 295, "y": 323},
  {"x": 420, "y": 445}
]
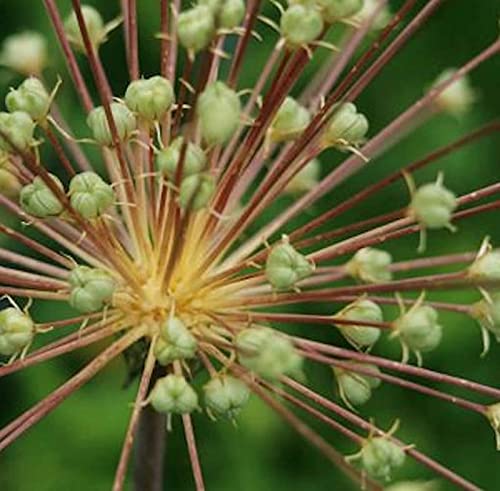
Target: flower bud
[
  {"x": 335, "y": 10},
  {"x": 18, "y": 127},
  {"x": 124, "y": 120},
  {"x": 196, "y": 28},
  {"x": 346, "y": 127},
  {"x": 486, "y": 266},
  {"x": 25, "y": 53},
  {"x": 168, "y": 158},
  {"x": 37, "y": 198},
  {"x": 356, "y": 388},
  {"x": 225, "y": 396},
  {"x": 91, "y": 289},
  {"x": 90, "y": 195},
  {"x": 175, "y": 342},
  {"x": 370, "y": 265},
  {"x": 493, "y": 414},
  {"x": 380, "y": 456},
  {"x": 95, "y": 27},
  {"x": 196, "y": 191},
  {"x": 290, "y": 121},
  {"x": 16, "y": 331},
  {"x": 414, "y": 486},
  {"x": 300, "y": 25},
  {"x": 31, "y": 98},
  {"x": 381, "y": 20},
  {"x": 458, "y": 97},
  {"x": 172, "y": 394},
  {"x": 285, "y": 266},
  {"x": 150, "y": 98},
  {"x": 362, "y": 310},
  {"x": 305, "y": 180},
  {"x": 267, "y": 353},
  {"x": 231, "y": 13},
  {"x": 218, "y": 109},
  {"x": 487, "y": 312}
]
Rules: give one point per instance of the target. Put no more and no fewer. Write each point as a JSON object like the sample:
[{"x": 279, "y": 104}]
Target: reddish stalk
[{"x": 193, "y": 452}]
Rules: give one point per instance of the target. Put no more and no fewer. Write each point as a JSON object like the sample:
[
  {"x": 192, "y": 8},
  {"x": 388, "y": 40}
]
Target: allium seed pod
[
  {"x": 285, "y": 266},
  {"x": 90, "y": 196},
  {"x": 16, "y": 331},
  {"x": 172, "y": 394},
  {"x": 362, "y": 310},
  {"x": 305, "y": 179},
  {"x": 486, "y": 266},
  {"x": 18, "y": 127},
  {"x": 383, "y": 17},
  {"x": 231, "y": 13},
  {"x": 218, "y": 110},
  {"x": 150, "y": 98},
  {"x": 356, "y": 388},
  {"x": 225, "y": 396},
  {"x": 25, "y": 53},
  {"x": 196, "y": 28},
  {"x": 458, "y": 97},
  {"x": 167, "y": 159},
  {"x": 414, "y": 486},
  {"x": 95, "y": 27},
  {"x": 267, "y": 353},
  {"x": 370, "y": 265},
  {"x": 290, "y": 121},
  {"x": 335, "y": 10},
  {"x": 124, "y": 120},
  {"x": 38, "y": 200},
  {"x": 347, "y": 127},
  {"x": 31, "y": 98},
  {"x": 487, "y": 312},
  {"x": 301, "y": 25},
  {"x": 380, "y": 456},
  {"x": 493, "y": 414},
  {"x": 9, "y": 183},
  {"x": 176, "y": 342},
  {"x": 196, "y": 191},
  {"x": 91, "y": 289}
]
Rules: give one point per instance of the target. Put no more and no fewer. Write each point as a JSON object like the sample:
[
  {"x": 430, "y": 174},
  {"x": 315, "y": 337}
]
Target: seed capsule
[
  {"x": 458, "y": 97},
  {"x": 356, "y": 388},
  {"x": 30, "y": 97},
  {"x": 218, "y": 109},
  {"x": 383, "y": 17},
  {"x": 493, "y": 415},
  {"x": 225, "y": 396},
  {"x": 486, "y": 266},
  {"x": 290, "y": 121},
  {"x": 167, "y": 159},
  {"x": 370, "y": 265},
  {"x": 347, "y": 127},
  {"x": 150, "y": 98},
  {"x": 16, "y": 331},
  {"x": 267, "y": 353},
  {"x": 231, "y": 14},
  {"x": 95, "y": 27},
  {"x": 124, "y": 120},
  {"x": 18, "y": 128},
  {"x": 196, "y": 191},
  {"x": 90, "y": 195},
  {"x": 380, "y": 456},
  {"x": 37, "y": 198},
  {"x": 175, "y": 342},
  {"x": 10, "y": 185},
  {"x": 335, "y": 10},
  {"x": 305, "y": 180},
  {"x": 25, "y": 53},
  {"x": 196, "y": 28},
  {"x": 301, "y": 25},
  {"x": 173, "y": 394},
  {"x": 91, "y": 289},
  {"x": 487, "y": 312}
]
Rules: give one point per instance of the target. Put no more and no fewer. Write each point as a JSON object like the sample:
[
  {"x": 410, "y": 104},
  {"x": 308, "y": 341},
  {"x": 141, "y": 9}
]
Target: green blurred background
[{"x": 77, "y": 446}]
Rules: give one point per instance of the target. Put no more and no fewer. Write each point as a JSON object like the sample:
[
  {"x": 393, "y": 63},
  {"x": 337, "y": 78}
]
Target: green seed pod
[
  {"x": 305, "y": 180},
  {"x": 290, "y": 121},
  {"x": 335, "y": 10},
  {"x": 487, "y": 312},
  {"x": 18, "y": 127},
  {"x": 95, "y": 27},
  {"x": 458, "y": 97},
  {"x": 196, "y": 191},
  {"x": 301, "y": 25},
  {"x": 30, "y": 97},
  {"x": 370, "y": 265},
  {"x": 150, "y": 98},
  {"x": 383, "y": 17},
  {"x": 432, "y": 205},
  {"x": 124, "y": 120},
  {"x": 176, "y": 342},
  {"x": 25, "y": 53},
  {"x": 356, "y": 388},
  {"x": 346, "y": 128},
  {"x": 225, "y": 396},
  {"x": 91, "y": 289},
  {"x": 10, "y": 185},
  {"x": 486, "y": 267},
  {"x": 37, "y": 198},
  {"x": 167, "y": 159},
  {"x": 414, "y": 486},
  {"x": 196, "y": 28},
  {"x": 267, "y": 353},
  {"x": 218, "y": 109},
  {"x": 90, "y": 195},
  {"x": 173, "y": 394},
  {"x": 16, "y": 331},
  {"x": 362, "y": 310},
  {"x": 231, "y": 13},
  {"x": 285, "y": 266},
  {"x": 493, "y": 415},
  {"x": 380, "y": 456}
]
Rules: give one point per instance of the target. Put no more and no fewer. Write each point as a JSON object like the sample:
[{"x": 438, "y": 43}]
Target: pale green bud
[
  {"x": 487, "y": 266},
  {"x": 173, "y": 394},
  {"x": 380, "y": 456},
  {"x": 9, "y": 183},
  {"x": 231, "y": 13},
  {"x": 31, "y": 98},
  {"x": 16, "y": 331},
  {"x": 124, "y": 120},
  {"x": 346, "y": 127},
  {"x": 90, "y": 196},
  {"x": 176, "y": 342},
  {"x": 361, "y": 310},
  {"x": 37, "y": 198},
  {"x": 356, "y": 388},
  {"x": 196, "y": 191},
  {"x": 196, "y": 28},
  {"x": 218, "y": 109},
  {"x": 168, "y": 158},
  {"x": 150, "y": 98},
  {"x": 18, "y": 127},
  {"x": 25, "y": 53},
  {"x": 267, "y": 353},
  {"x": 290, "y": 121},
  {"x": 493, "y": 415},
  {"x": 95, "y": 27},
  {"x": 225, "y": 396},
  {"x": 432, "y": 205},
  {"x": 370, "y": 265},
  {"x": 91, "y": 289},
  {"x": 305, "y": 180},
  {"x": 458, "y": 97},
  {"x": 419, "y": 329},
  {"x": 487, "y": 312},
  {"x": 334, "y": 10},
  {"x": 414, "y": 486},
  {"x": 381, "y": 20},
  {"x": 301, "y": 25}
]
